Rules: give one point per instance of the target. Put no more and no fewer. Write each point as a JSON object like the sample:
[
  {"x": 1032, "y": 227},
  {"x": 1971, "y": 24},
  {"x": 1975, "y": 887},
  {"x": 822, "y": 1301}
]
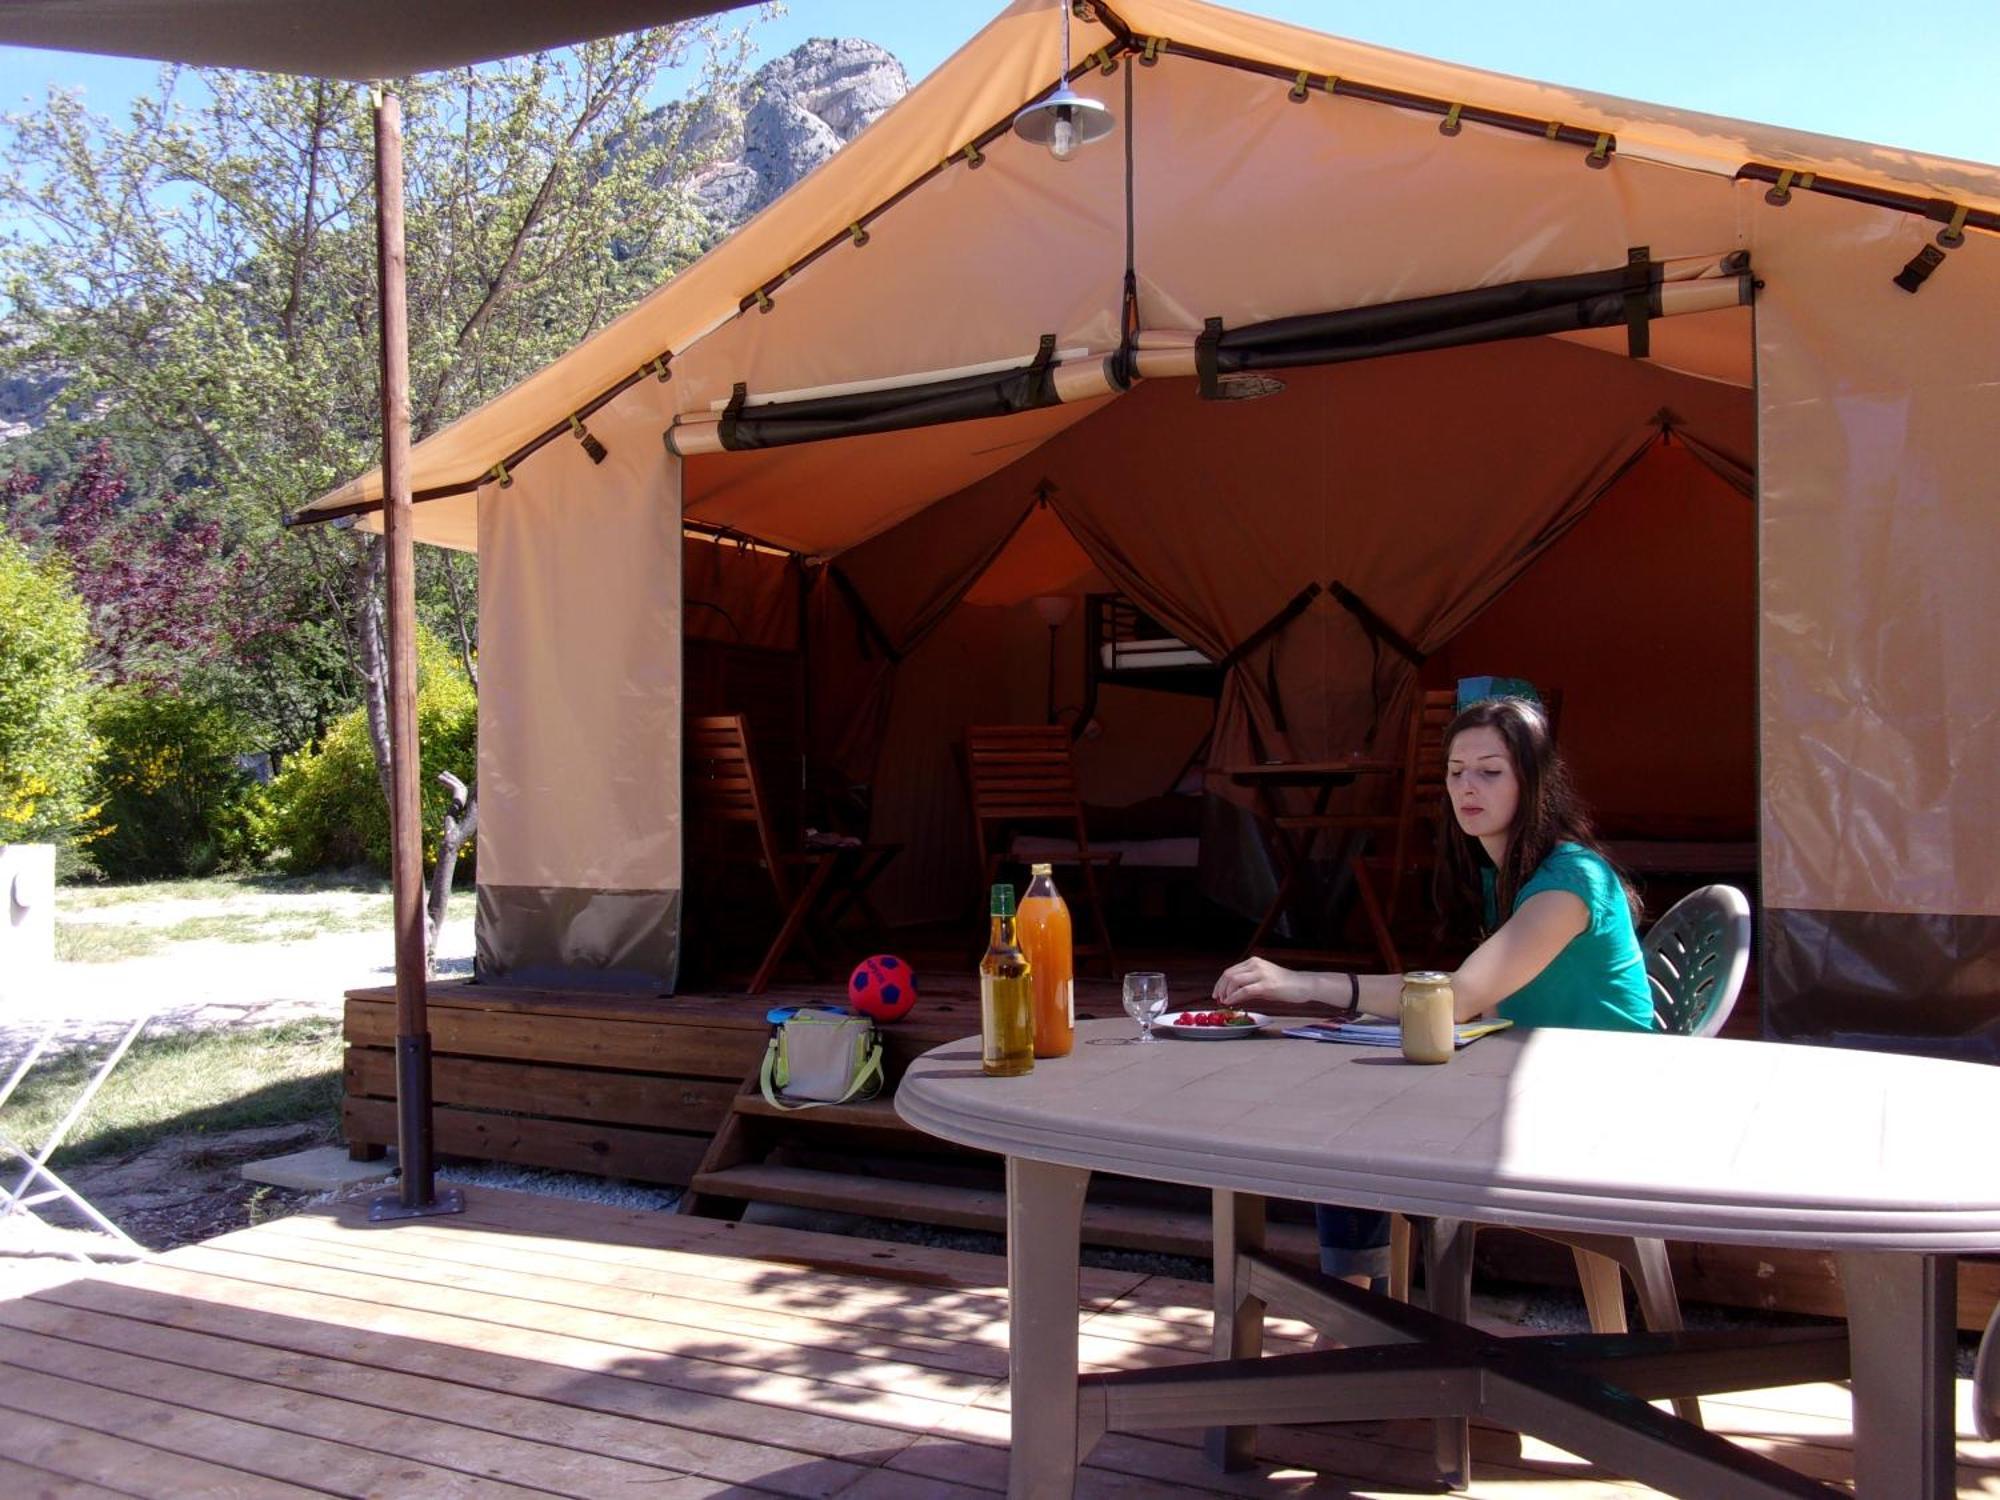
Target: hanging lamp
[{"x": 1064, "y": 119}]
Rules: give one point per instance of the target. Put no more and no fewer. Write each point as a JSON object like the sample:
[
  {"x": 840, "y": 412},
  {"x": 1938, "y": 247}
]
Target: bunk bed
[{"x": 1125, "y": 646}]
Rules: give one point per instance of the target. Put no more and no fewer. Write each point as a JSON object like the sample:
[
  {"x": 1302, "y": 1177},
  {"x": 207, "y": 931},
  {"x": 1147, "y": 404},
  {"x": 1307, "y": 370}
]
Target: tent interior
[{"x": 1535, "y": 508}]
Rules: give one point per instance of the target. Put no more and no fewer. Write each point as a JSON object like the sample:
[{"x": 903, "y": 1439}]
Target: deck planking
[{"x": 538, "y": 1346}]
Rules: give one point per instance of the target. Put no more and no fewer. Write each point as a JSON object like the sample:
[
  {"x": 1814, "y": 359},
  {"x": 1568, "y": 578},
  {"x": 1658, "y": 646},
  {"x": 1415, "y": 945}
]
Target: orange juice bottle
[{"x": 1043, "y": 924}]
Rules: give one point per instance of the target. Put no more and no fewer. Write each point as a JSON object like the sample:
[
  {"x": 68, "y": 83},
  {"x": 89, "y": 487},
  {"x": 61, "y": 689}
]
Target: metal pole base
[{"x": 386, "y": 1208}]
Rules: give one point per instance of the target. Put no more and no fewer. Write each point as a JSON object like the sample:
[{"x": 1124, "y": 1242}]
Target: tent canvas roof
[{"x": 1019, "y": 248}]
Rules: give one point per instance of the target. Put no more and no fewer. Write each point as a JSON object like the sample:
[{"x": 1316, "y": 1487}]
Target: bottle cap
[
  {"x": 1048, "y": 870},
  {"x": 1003, "y": 901}
]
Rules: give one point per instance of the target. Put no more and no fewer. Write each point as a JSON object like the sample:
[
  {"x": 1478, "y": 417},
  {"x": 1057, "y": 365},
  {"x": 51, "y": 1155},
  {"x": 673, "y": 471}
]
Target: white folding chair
[{"x": 37, "y": 1184}]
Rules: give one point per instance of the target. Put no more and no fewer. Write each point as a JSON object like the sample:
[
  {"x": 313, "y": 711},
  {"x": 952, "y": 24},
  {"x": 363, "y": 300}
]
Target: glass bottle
[
  {"x": 1006, "y": 997},
  {"x": 1045, "y": 937}
]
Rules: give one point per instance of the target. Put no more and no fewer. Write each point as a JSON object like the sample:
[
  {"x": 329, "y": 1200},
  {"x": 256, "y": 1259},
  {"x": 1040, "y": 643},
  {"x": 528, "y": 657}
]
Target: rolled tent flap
[
  {"x": 1044, "y": 381},
  {"x": 1521, "y": 309}
]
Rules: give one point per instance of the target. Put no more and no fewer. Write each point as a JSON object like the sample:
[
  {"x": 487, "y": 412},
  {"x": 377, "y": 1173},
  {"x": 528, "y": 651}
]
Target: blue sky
[{"x": 1903, "y": 75}]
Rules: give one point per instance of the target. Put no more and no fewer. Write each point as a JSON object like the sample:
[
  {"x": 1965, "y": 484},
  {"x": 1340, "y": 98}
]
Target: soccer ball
[{"x": 882, "y": 987}]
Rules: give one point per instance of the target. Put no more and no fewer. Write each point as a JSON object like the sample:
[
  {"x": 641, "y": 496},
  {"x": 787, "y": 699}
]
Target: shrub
[
  {"x": 171, "y": 798},
  {"x": 46, "y": 691},
  {"x": 327, "y": 808}
]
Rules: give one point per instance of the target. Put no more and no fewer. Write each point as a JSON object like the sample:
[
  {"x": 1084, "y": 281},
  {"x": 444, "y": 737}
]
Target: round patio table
[{"x": 1881, "y": 1160}]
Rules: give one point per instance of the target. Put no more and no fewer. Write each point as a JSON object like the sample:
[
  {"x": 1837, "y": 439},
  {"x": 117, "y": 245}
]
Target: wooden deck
[
  {"x": 652, "y": 1089},
  {"x": 538, "y": 1346}
]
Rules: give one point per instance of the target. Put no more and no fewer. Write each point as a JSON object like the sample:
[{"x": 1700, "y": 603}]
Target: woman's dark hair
[{"x": 1549, "y": 813}]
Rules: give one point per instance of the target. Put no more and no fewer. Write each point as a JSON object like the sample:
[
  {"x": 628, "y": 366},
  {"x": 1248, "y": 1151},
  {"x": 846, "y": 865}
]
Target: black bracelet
[{"x": 1353, "y": 991}]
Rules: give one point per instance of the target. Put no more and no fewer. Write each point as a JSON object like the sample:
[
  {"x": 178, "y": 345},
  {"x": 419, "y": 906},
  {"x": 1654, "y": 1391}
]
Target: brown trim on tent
[
  {"x": 1942, "y": 210},
  {"x": 1601, "y": 143}
]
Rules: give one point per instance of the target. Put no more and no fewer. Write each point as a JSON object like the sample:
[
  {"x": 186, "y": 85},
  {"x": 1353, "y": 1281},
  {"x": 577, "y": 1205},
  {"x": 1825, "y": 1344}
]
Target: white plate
[{"x": 1170, "y": 1024}]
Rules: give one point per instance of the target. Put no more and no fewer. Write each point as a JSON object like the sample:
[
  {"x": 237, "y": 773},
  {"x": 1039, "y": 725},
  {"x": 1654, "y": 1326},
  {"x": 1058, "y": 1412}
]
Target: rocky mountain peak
[{"x": 796, "y": 111}]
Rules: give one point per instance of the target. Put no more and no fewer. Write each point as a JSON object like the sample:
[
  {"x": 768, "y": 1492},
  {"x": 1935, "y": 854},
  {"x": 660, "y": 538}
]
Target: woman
[{"x": 1518, "y": 867}]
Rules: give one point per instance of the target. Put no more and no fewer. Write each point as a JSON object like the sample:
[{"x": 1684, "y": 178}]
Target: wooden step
[
  {"x": 869, "y": 1114},
  {"x": 1122, "y": 1226}
]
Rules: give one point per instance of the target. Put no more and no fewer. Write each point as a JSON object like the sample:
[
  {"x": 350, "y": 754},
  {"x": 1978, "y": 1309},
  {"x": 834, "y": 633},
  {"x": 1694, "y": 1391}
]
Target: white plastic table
[{"x": 1883, "y": 1160}]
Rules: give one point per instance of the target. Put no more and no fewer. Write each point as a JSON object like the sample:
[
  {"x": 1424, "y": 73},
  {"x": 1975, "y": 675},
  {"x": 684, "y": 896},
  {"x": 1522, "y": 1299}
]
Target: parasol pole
[{"x": 416, "y": 1197}]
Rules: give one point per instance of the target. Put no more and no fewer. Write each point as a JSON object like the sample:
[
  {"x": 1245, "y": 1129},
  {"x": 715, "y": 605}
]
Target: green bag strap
[
  {"x": 870, "y": 1074},
  {"x": 766, "y": 1073}
]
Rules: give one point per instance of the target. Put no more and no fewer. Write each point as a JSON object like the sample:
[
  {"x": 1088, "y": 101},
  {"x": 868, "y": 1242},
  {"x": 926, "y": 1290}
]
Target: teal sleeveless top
[{"x": 1598, "y": 981}]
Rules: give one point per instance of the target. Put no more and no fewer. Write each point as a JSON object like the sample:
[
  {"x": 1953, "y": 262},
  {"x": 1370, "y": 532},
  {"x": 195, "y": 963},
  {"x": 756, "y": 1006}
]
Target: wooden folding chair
[
  {"x": 1022, "y": 774},
  {"x": 731, "y": 822},
  {"x": 1381, "y": 879}
]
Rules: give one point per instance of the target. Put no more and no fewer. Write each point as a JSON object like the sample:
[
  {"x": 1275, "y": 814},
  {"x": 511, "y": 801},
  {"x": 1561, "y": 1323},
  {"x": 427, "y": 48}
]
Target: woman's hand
[{"x": 1258, "y": 979}]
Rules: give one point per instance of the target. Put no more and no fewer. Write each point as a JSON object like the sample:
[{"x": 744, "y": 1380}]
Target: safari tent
[{"x": 1689, "y": 416}]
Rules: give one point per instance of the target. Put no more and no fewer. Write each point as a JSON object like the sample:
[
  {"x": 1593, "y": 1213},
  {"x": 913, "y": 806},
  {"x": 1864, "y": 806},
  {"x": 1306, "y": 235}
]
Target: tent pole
[{"x": 416, "y": 1197}]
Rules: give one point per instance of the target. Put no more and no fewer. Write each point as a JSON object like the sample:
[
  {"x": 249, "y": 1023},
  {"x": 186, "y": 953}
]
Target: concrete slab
[{"x": 319, "y": 1170}]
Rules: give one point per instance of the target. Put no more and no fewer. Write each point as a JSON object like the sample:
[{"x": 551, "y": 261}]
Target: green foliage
[
  {"x": 201, "y": 276},
  {"x": 46, "y": 691},
  {"x": 171, "y": 800},
  {"x": 328, "y": 811}
]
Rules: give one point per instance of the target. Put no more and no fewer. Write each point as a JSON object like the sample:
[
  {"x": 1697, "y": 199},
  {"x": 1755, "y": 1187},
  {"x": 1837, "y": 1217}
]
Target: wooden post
[{"x": 416, "y": 1196}]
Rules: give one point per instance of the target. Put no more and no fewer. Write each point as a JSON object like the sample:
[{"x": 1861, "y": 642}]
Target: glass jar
[{"x": 1426, "y": 1016}]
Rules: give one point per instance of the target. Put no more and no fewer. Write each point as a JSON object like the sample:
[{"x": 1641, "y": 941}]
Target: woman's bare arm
[{"x": 1527, "y": 943}]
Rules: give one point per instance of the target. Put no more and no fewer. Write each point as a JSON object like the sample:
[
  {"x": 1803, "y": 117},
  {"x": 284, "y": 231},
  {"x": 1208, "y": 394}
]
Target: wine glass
[{"x": 1145, "y": 998}]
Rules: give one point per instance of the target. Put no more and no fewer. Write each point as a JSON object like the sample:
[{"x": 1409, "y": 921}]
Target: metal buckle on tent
[
  {"x": 1953, "y": 234},
  {"x": 499, "y": 472},
  {"x": 1104, "y": 61},
  {"x": 856, "y": 233},
  {"x": 725, "y": 430},
  {"x": 762, "y": 299},
  {"x": 1781, "y": 191},
  {"x": 1553, "y": 130},
  {"x": 1638, "y": 293},
  {"x": 597, "y": 451},
  {"x": 1300, "y": 86},
  {"x": 1206, "y": 349},
  {"x": 661, "y": 367},
  {"x": 1600, "y": 154},
  {"x": 1151, "y": 56},
  {"x": 1918, "y": 271},
  {"x": 1450, "y": 124},
  {"x": 973, "y": 158}
]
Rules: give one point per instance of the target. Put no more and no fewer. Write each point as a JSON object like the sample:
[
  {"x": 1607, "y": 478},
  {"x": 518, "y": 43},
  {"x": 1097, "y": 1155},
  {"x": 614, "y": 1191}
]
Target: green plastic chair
[{"x": 1696, "y": 957}]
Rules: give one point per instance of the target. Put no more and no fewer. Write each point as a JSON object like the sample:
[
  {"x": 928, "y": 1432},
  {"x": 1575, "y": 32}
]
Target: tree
[
  {"x": 46, "y": 693},
  {"x": 205, "y": 274},
  {"x": 165, "y": 595}
]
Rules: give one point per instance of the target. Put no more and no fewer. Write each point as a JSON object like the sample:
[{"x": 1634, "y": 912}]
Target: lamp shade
[
  {"x": 1054, "y": 608},
  {"x": 1063, "y": 121}
]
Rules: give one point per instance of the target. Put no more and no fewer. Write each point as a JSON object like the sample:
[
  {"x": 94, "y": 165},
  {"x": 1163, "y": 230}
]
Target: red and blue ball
[{"x": 882, "y": 986}]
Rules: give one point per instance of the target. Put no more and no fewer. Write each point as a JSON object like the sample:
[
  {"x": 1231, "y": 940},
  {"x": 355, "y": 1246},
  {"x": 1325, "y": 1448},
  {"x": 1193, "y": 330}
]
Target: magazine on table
[{"x": 1386, "y": 1033}]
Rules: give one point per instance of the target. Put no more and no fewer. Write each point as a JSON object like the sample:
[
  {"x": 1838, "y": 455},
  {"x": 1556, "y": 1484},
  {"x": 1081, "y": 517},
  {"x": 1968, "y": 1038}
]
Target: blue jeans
[{"x": 1354, "y": 1242}]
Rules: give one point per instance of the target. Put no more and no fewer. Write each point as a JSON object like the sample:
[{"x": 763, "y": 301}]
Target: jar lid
[{"x": 1426, "y": 976}]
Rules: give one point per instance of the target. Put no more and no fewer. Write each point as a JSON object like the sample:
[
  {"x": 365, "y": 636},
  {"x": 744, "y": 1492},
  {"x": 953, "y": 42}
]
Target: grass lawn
[
  {"x": 104, "y": 924},
  {"x": 201, "y": 1081},
  {"x": 220, "y": 888}
]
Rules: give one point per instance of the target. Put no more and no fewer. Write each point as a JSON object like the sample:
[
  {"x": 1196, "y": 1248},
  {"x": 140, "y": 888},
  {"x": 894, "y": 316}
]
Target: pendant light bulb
[{"x": 1062, "y": 139}]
